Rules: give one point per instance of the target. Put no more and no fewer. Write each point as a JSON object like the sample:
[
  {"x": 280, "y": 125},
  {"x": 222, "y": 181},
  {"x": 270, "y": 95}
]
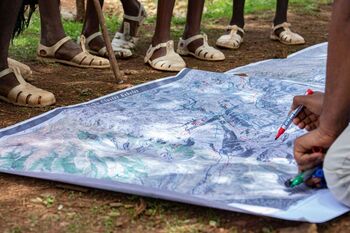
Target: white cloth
[{"x": 337, "y": 168}]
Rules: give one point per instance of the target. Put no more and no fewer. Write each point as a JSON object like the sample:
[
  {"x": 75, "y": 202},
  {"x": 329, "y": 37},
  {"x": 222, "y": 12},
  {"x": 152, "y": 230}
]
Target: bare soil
[{"x": 31, "y": 205}]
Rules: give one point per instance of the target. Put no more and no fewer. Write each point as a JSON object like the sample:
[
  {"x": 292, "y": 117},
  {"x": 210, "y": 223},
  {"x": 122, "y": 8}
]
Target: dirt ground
[{"x": 30, "y": 205}]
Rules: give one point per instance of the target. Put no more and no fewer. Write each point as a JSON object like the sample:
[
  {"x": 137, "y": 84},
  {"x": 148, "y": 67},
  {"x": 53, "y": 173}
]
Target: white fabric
[{"x": 337, "y": 168}]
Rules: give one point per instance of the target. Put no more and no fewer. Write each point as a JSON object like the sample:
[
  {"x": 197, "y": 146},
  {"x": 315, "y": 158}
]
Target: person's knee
[{"x": 337, "y": 171}]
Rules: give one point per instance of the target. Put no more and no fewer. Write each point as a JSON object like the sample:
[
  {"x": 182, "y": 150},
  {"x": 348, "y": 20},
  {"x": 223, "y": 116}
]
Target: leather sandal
[
  {"x": 233, "y": 40},
  {"x": 82, "y": 60},
  {"x": 26, "y": 94},
  {"x": 204, "y": 52},
  {"x": 124, "y": 39},
  {"x": 24, "y": 69},
  {"x": 171, "y": 61},
  {"x": 287, "y": 36},
  {"x": 119, "y": 52}
]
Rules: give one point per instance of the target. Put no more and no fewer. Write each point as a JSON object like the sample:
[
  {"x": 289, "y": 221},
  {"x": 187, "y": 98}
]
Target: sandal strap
[
  {"x": 5, "y": 72},
  {"x": 193, "y": 38},
  {"x": 93, "y": 36},
  {"x": 235, "y": 28},
  {"x": 151, "y": 49},
  {"x": 284, "y": 25},
  {"x": 139, "y": 18},
  {"x": 50, "y": 51}
]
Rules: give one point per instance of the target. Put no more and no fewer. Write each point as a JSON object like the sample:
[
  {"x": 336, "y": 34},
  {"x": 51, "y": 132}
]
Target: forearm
[{"x": 336, "y": 109}]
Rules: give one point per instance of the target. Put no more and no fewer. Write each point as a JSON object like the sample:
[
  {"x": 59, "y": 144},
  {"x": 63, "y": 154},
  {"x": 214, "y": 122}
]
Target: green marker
[{"x": 300, "y": 178}]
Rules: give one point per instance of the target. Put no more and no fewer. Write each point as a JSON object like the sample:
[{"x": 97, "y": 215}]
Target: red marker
[{"x": 291, "y": 117}]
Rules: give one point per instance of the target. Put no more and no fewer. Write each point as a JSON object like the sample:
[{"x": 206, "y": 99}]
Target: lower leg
[
  {"x": 52, "y": 30},
  {"x": 8, "y": 15},
  {"x": 238, "y": 13},
  {"x": 194, "y": 18},
  {"x": 193, "y": 23},
  {"x": 131, "y": 8},
  {"x": 91, "y": 22},
  {"x": 92, "y": 25},
  {"x": 281, "y": 12},
  {"x": 163, "y": 24}
]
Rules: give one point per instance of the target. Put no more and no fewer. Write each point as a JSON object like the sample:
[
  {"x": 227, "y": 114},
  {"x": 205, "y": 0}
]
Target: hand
[
  {"x": 303, "y": 148},
  {"x": 308, "y": 118}
]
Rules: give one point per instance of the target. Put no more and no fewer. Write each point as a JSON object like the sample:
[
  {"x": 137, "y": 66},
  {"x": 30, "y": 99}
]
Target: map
[{"x": 197, "y": 137}]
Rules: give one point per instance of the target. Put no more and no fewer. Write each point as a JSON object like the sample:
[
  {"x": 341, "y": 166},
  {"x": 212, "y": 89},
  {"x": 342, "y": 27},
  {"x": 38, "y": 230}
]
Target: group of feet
[{"x": 92, "y": 53}]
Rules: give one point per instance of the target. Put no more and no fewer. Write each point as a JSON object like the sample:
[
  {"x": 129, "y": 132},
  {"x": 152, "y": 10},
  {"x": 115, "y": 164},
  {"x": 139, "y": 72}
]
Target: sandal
[
  {"x": 124, "y": 39},
  {"x": 23, "y": 68},
  {"x": 82, "y": 60},
  {"x": 171, "y": 61},
  {"x": 232, "y": 40},
  {"x": 119, "y": 52},
  {"x": 26, "y": 94},
  {"x": 286, "y": 36},
  {"x": 204, "y": 52}
]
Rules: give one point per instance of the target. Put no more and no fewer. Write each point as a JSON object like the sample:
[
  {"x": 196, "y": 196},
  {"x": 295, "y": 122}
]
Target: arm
[{"x": 336, "y": 109}]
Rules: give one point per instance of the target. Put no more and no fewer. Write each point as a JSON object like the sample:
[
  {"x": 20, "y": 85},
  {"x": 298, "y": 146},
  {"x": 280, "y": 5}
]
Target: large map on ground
[{"x": 200, "y": 137}]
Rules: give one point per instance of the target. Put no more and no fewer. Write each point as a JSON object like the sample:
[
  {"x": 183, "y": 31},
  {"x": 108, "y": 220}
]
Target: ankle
[
  {"x": 189, "y": 34},
  {"x": 239, "y": 24},
  {"x": 159, "y": 40},
  {"x": 50, "y": 40},
  {"x": 279, "y": 21},
  {"x": 3, "y": 66}
]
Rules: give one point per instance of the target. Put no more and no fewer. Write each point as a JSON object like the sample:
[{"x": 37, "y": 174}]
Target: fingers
[
  {"x": 307, "y": 120},
  {"x": 308, "y": 161}
]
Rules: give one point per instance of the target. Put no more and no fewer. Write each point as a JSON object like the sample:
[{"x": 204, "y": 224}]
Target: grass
[{"x": 24, "y": 46}]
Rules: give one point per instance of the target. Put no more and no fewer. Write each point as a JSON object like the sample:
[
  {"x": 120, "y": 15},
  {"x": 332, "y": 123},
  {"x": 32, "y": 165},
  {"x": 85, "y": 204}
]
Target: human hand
[
  {"x": 308, "y": 118},
  {"x": 304, "y": 154}
]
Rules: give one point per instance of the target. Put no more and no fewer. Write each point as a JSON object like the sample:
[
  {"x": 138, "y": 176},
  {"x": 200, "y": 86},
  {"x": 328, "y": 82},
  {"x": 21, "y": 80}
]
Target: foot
[
  {"x": 232, "y": 39},
  {"x": 165, "y": 59},
  {"x": 15, "y": 90},
  {"x": 283, "y": 34},
  {"x": 126, "y": 37},
  {"x": 198, "y": 47},
  {"x": 67, "y": 51},
  {"x": 96, "y": 44}
]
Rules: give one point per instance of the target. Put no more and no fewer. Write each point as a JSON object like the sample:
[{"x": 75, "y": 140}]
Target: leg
[
  {"x": 238, "y": 13},
  {"x": 193, "y": 23},
  {"x": 233, "y": 38},
  {"x": 197, "y": 46},
  {"x": 52, "y": 29},
  {"x": 132, "y": 8},
  {"x": 281, "y": 14},
  {"x": 9, "y": 10},
  {"x": 13, "y": 88},
  {"x": 163, "y": 24},
  {"x": 337, "y": 168},
  {"x": 92, "y": 25},
  {"x": 281, "y": 31}
]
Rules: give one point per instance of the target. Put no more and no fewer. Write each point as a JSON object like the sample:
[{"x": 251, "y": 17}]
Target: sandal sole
[
  {"x": 25, "y": 105},
  {"x": 45, "y": 60}
]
